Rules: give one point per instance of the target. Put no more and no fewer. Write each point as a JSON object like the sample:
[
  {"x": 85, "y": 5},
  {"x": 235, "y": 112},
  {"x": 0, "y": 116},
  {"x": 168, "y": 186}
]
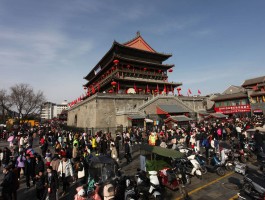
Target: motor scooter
[
  {"x": 254, "y": 186},
  {"x": 155, "y": 189},
  {"x": 172, "y": 179}
]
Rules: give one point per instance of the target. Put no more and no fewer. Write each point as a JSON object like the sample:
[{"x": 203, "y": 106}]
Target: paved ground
[{"x": 210, "y": 187}]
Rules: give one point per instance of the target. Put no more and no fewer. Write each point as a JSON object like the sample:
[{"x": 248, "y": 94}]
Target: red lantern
[
  {"x": 110, "y": 91},
  {"x": 159, "y": 71},
  {"x": 155, "y": 90},
  {"x": 113, "y": 83},
  {"x": 170, "y": 70},
  {"x": 116, "y": 62},
  {"x": 147, "y": 90},
  {"x": 113, "y": 68},
  {"x": 145, "y": 69}
]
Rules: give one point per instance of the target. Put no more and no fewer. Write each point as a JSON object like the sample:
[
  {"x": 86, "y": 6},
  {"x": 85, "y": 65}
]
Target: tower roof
[{"x": 139, "y": 43}]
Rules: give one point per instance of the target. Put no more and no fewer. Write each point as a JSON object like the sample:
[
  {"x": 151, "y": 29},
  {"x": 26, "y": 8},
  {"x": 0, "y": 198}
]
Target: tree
[
  {"x": 5, "y": 104},
  {"x": 25, "y": 100}
]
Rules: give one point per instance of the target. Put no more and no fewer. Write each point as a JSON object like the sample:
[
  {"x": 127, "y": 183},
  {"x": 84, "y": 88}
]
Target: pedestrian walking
[
  {"x": 20, "y": 164},
  {"x": 40, "y": 185},
  {"x": 52, "y": 184},
  {"x": 7, "y": 184},
  {"x": 65, "y": 171},
  {"x": 29, "y": 170}
]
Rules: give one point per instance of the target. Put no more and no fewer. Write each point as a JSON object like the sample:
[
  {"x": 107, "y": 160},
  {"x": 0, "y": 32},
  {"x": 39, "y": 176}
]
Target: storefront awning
[
  {"x": 170, "y": 109},
  {"x": 133, "y": 117},
  {"x": 217, "y": 115},
  {"x": 180, "y": 118}
]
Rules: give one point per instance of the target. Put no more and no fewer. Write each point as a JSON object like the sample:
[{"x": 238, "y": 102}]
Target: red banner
[{"x": 233, "y": 109}]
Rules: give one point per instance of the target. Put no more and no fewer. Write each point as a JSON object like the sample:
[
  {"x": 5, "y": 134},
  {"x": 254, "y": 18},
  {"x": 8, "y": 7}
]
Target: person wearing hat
[{"x": 7, "y": 184}]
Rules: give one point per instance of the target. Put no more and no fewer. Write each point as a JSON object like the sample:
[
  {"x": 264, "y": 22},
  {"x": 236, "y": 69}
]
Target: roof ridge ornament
[{"x": 138, "y": 33}]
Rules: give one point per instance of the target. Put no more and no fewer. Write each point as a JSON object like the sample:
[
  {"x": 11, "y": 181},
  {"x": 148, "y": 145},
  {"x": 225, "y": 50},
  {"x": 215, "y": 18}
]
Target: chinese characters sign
[{"x": 233, "y": 109}]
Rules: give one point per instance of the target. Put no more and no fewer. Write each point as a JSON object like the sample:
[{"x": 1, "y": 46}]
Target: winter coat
[
  {"x": 39, "y": 167},
  {"x": 7, "y": 184},
  {"x": 68, "y": 168},
  {"x": 52, "y": 181},
  {"x": 55, "y": 164},
  {"x": 29, "y": 167},
  {"x": 40, "y": 182},
  {"x": 21, "y": 161}
]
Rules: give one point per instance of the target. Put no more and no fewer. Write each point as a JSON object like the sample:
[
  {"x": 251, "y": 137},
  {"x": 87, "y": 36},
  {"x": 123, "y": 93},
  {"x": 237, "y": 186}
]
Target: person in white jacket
[{"x": 65, "y": 171}]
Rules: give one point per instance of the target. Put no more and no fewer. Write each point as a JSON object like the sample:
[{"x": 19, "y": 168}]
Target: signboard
[
  {"x": 233, "y": 109},
  {"x": 257, "y": 111}
]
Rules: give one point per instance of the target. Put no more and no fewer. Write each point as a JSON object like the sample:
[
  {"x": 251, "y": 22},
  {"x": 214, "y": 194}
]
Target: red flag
[
  {"x": 93, "y": 90},
  {"x": 189, "y": 91},
  {"x": 199, "y": 92}
]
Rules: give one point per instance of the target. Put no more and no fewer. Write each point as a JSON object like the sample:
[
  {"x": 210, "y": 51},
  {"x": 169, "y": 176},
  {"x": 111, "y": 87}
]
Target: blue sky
[{"x": 53, "y": 44}]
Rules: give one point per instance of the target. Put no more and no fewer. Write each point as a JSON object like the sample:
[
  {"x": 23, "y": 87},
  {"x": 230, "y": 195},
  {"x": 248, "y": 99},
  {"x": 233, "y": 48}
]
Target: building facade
[
  {"x": 126, "y": 88},
  {"x": 51, "y": 110}
]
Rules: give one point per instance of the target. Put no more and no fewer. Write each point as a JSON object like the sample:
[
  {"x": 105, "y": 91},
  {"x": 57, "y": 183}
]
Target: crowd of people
[{"x": 64, "y": 156}]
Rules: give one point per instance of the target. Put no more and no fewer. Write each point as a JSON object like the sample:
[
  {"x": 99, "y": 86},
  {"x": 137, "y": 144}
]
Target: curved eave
[
  {"x": 167, "y": 66},
  {"x": 166, "y": 56}
]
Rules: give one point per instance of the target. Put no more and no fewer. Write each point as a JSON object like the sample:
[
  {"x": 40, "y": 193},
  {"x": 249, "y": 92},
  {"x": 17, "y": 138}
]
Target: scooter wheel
[
  {"x": 220, "y": 171},
  {"x": 229, "y": 166},
  {"x": 203, "y": 169}
]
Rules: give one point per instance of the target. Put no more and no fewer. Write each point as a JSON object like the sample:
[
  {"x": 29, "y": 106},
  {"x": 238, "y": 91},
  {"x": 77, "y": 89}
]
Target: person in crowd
[
  {"x": 39, "y": 165},
  {"x": 40, "y": 185},
  {"x": 117, "y": 144},
  {"x": 15, "y": 181},
  {"x": 55, "y": 162},
  {"x": 65, "y": 171},
  {"x": 52, "y": 184},
  {"x": 6, "y": 157},
  {"x": 127, "y": 151},
  {"x": 114, "y": 153},
  {"x": 81, "y": 168},
  {"x": 29, "y": 170},
  {"x": 48, "y": 157},
  {"x": 7, "y": 184},
  {"x": 20, "y": 164}
]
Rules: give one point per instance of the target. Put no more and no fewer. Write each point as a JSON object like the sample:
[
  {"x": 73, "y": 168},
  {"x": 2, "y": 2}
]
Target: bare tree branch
[{"x": 25, "y": 100}]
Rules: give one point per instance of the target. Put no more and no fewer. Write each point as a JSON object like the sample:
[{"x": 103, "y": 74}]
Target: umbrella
[{"x": 11, "y": 138}]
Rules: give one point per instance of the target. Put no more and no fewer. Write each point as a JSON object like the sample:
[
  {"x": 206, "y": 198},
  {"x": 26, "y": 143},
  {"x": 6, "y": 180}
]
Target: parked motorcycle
[
  {"x": 214, "y": 164},
  {"x": 148, "y": 186},
  {"x": 172, "y": 179},
  {"x": 254, "y": 186}
]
